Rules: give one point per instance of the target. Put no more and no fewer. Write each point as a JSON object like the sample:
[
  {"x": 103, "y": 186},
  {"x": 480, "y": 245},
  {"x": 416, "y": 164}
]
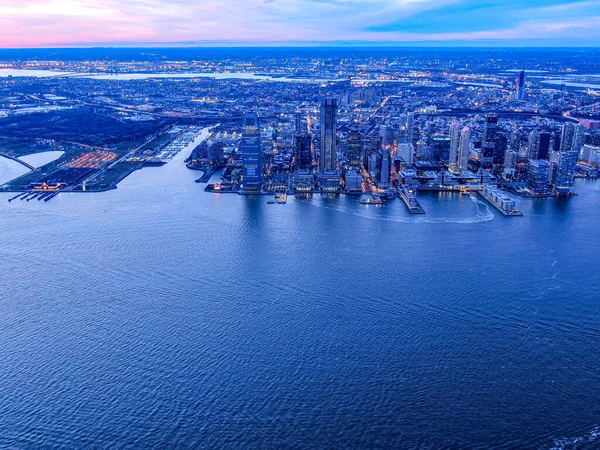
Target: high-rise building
[
  {"x": 371, "y": 146},
  {"x": 520, "y": 92},
  {"x": 500, "y": 147},
  {"x": 453, "y": 163},
  {"x": 252, "y": 170},
  {"x": 544, "y": 146},
  {"x": 538, "y": 176},
  {"x": 464, "y": 151},
  {"x": 565, "y": 172},
  {"x": 406, "y": 152},
  {"x": 355, "y": 148},
  {"x": 384, "y": 169},
  {"x": 488, "y": 145},
  {"x": 510, "y": 159},
  {"x": 303, "y": 152},
  {"x": 387, "y": 135},
  {"x": 568, "y": 136},
  {"x": 590, "y": 154},
  {"x": 328, "y": 155},
  {"x": 533, "y": 145}
]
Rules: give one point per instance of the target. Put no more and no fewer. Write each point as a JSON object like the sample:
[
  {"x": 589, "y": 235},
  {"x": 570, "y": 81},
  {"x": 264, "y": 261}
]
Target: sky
[{"x": 68, "y": 23}]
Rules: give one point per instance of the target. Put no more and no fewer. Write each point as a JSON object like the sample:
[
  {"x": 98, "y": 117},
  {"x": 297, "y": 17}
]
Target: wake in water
[
  {"x": 590, "y": 440},
  {"x": 484, "y": 214}
]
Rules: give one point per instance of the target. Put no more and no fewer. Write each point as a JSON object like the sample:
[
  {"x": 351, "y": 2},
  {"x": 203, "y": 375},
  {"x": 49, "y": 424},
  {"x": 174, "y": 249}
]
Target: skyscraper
[
  {"x": 520, "y": 93},
  {"x": 453, "y": 163},
  {"x": 544, "y": 147},
  {"x": 538, "y": 173},
  {"x": 384, "y": 168},
  {"x": 355, "y": 148},
  {"x": 533, "y": 145},
  {"x": 500, "y": 147},
  {"x": 328, "y": 155},
  {"x": 565, "y": 172},
  {"x": 464, "y": 148},
  {"x": 490, "y": 131},
  {"x": 251, "y": 154},
  {"x": 303, "y": 152}
]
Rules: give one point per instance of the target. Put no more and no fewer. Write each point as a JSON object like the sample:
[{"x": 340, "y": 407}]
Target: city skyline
[{"x": 68, "y": 23}]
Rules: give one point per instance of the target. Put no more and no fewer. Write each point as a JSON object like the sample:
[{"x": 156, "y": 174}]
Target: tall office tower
[
  {"x": 538, "y": 176},
  {"x": 373, "y": 165},
  {"x": 565, "y": 172},
  {"x": 567, "y": 139},
  {"x": 578, "y": 139},
  {"x": 544, "y": 148},
  {"x": 441, "y": 149},
  {"x": 533, "y": 145},
  {"x": 490, "y": 131},
  {"x": 453, "y": 163},
  {"x": 387, "y": 135},
  {"x": 464, "y": 150},
  {"x": 520, "y": 93},
  {"x": 384, "y": 170},
  {"x": 303, "y": 152},
  {"x": 299, "y": 129},
  {"x": 355, "y": 148},
  {"x": 372, "y": 146},
  {"x": 406, "y": 152},
  {"x": 251, "y": 154},
  {"x": 328, "y": 158},
  {"x": 555, "y": 141},
  {"x": 500, "y": 147}
]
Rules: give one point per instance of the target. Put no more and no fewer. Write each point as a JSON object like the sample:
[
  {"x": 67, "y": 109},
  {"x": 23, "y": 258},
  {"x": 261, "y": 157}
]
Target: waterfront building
[
  {"x": 303, "y": 181},
  {"x": 328, "y": 155},
  {"x": 465, "y": 147},
  {"x": 303, "y": 152},
  {"x": 538, "y": 176},
  {"x": 251, "y": 149},
  {"x": 329, "y": 181},
  {"x": 565, "y": 172},
  {"x": 384, "y": 169},
  {"x": 590, "y": 154},
  {"x": 354, "y": 181},
  {"x": 454, "y": 156}
]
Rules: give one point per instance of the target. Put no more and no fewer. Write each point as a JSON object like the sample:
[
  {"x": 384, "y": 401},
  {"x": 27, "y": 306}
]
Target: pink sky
[{"x": 30, "y": 23}]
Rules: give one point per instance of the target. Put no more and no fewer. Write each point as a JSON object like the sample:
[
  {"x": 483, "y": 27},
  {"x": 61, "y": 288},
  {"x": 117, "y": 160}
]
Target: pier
[
  {"x": 500, "y": 201},
  {"x": 409, "y": 197}
]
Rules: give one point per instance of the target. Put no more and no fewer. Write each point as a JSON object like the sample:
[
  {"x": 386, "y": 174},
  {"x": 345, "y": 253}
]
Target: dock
[
  {"x": 409, "y": 197},
  {"x": 500, "y": 201}
]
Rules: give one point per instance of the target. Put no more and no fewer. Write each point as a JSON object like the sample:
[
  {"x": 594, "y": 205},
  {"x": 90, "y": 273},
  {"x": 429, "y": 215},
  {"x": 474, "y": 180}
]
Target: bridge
[{"x": 29, "y": 166}]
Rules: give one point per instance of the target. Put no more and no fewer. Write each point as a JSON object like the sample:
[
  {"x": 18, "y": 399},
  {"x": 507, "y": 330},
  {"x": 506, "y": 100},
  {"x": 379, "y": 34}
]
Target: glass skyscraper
[
  {"x": 328, "y": 156},
  {"x": 252, "y": 171}
]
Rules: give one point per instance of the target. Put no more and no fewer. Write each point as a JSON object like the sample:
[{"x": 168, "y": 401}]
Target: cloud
[{"x": 63, "y": 22}]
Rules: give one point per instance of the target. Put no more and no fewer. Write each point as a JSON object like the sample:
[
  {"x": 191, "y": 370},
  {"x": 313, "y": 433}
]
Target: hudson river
[{"x": 160, "y": 316}]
